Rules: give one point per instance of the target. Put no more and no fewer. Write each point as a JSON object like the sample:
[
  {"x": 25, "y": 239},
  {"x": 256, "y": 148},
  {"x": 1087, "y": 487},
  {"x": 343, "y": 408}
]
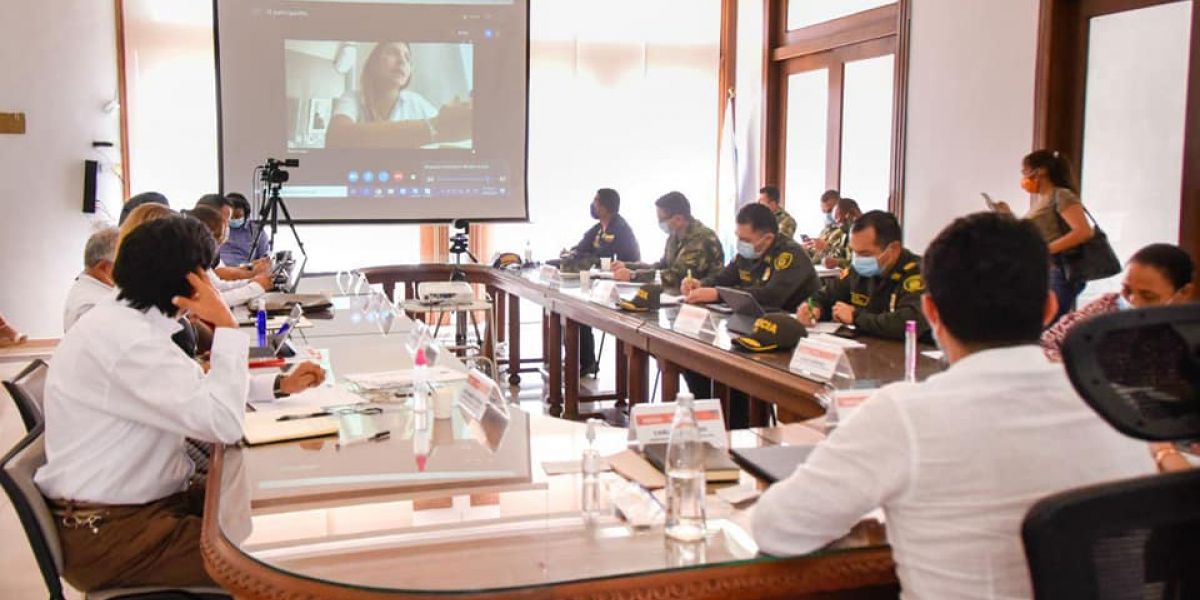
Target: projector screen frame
[{"x": 221, "y": 148}]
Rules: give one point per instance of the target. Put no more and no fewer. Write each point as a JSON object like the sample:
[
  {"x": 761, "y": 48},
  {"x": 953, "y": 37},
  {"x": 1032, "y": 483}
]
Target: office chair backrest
[
  {"x": 28, "y": 391},
  {"x": 1140, "y": 370},
  {"x": 1140, "y": 538},
  {"x": 16, "y": 477}
]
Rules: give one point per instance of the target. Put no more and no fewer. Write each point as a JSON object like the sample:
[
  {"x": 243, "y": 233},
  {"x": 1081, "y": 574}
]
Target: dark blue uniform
[{"x": 616, "y": 242}]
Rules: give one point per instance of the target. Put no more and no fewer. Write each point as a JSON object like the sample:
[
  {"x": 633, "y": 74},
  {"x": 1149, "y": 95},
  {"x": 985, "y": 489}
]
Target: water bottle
[
  {"x": 910, "y": 351},
  {"x": 420, "y": 395},
  {"x": 590, "y": 467},
  {"x": 685, "y": 475},
  {"x": 528, "y": 253},
  {"x": 261, "y": 322}
]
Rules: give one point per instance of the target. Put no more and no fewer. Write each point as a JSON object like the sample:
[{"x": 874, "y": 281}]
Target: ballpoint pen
[
  {"x": 378, "y": 437},
  {"x": 312, "y": 415}
]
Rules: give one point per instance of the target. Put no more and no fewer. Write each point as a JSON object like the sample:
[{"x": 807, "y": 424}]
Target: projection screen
[{"x": 397, "y": 110}]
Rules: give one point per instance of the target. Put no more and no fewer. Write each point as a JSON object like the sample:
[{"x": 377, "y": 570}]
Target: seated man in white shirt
[
  {"x": 121, "y": 398},
  {"x": 95, "y": 283},
  {"x": 235, "y": 292},
  {"x": 956, "y": 461}
]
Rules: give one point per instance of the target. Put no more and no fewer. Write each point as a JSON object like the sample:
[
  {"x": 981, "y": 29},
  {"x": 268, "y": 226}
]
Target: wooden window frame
[{"x": 868, "y": 34}]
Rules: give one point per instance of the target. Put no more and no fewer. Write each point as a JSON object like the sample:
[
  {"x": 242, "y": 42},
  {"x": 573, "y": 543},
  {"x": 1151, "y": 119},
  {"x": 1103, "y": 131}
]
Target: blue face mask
[
  {"x": 665, "y": 227},
  {"x": 829, "y": 218},
  {"x": 237, "y": 223},
  {"x": 1123, "y": 303},
  {"x": 746, "y": 250},
  {"x": 866, "y": 266}
]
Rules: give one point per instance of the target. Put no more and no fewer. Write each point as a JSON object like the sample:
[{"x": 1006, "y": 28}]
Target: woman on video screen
[{"x": 385, "y": 114}]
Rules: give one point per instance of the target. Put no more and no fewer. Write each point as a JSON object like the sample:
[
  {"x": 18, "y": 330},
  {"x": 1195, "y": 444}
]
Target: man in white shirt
[
  {"x": 956, "y": 461},
  {"x": 95, "y": 283},
  {"x": 236, "y": 292},
  {"x": 121, "y": 398}
]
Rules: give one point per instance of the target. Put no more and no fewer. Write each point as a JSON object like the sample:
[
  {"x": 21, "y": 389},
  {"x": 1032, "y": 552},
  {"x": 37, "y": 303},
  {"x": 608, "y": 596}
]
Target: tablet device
[{"x": 745, "y": 309}]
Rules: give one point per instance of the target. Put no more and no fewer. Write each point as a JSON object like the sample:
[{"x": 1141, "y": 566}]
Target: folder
[
  {"x": 264, "y": 426},
  {"x": 718, "y": 467}
]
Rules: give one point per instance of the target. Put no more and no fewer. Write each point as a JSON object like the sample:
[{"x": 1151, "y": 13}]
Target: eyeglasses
[{"x": 334, "y": 412}]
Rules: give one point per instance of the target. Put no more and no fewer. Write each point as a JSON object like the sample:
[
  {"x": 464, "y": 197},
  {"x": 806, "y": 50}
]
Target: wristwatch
[{"x": 278, "y": 387}]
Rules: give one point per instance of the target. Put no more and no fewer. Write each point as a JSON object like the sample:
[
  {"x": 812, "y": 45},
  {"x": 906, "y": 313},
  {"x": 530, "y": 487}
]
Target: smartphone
[{"x": 991, "y": 204}]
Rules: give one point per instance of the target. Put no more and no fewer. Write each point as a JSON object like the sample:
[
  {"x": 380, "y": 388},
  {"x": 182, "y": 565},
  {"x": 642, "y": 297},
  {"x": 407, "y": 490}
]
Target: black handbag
[{"x": 1093, "y": 259}]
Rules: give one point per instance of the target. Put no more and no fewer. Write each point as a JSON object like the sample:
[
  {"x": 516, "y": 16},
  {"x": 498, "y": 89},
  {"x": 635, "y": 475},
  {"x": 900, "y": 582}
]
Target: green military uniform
[
  {"x": 787, "y": 225},
  {"x": 882, "y": 304},
  {"x": 837, "y": 246},
  {"x": 694, "y": 249},
  {"x": 781, "y": 278}
]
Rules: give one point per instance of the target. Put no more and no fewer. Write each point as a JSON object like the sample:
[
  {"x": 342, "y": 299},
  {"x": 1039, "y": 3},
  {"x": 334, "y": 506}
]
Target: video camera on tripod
[{"x": 272, "y": 173}]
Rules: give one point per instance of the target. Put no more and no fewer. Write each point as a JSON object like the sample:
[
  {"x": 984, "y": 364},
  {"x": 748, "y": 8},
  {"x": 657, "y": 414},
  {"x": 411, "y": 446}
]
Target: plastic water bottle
[
  {"x": 420, "y": 385},
  {"x": 590, "y": 467},
  {"x": 261, "y": 322},
  {"x": 910, "y": 351},
  {"x": 685, "y": 475},
  {"x": 528, "y": 253}
]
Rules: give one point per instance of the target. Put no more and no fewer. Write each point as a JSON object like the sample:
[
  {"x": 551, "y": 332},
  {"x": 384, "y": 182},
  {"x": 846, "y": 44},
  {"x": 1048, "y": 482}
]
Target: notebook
[
  {"x": 718, "y": 467},
  {"x": 264, "y": 426},
  {"x": 771, "y": 463}
]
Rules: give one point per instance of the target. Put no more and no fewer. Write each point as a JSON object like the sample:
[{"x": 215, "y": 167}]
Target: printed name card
[
  {"x": 691, "y": 319},
  {"x": 604, "y": 292},
  {"x": 818, "y": 360},
  {"x": 479, "y": 392},
  {"x": 848, "y": 401},
  {"x": 651, "y": 423},
  {"x": 548, "y": 274}
]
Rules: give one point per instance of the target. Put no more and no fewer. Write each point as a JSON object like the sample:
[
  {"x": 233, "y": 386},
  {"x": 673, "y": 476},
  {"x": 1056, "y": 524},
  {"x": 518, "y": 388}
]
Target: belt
[{"x": 76, "y": 515}]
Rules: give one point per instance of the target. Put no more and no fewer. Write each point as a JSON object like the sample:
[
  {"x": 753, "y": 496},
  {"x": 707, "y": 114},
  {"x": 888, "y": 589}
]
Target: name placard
[
  {"x": 691, "y": 319},
  {"x": 848, "y": 401},
  {"x": 817, "y": 360},
  {"x": 548, "y": 274},
  {"x": 604, "y": 292},
  {"x": 479, "y": 392},
  {"x": 651, "y": 423}
]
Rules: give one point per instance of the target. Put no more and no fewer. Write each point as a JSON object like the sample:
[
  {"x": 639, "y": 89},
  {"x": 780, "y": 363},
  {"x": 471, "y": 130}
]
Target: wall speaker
[{"x": 91, "y": 171}]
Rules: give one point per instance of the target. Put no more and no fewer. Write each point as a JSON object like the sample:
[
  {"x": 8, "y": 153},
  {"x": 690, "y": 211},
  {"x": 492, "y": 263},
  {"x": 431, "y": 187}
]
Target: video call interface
[{"x": 379, "y": 100}]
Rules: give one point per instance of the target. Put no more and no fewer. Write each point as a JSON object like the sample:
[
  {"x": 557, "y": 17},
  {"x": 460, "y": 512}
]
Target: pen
[
  {"x": 284, "y": 329},
  {"x": 378, "y": 437},
  {"x": 313, "y": 415}
]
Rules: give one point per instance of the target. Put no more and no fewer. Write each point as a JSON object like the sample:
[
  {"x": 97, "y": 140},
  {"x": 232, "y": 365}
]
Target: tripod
[
  {"x": 458, "y": 247},
  {"x": 272, "y": 204}
]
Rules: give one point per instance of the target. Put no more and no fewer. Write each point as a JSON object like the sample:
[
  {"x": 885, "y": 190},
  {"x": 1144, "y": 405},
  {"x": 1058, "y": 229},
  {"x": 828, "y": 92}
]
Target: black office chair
[
  {"x": 16, "y": 477},
  {"x": 1140, "y": 538},
  {"x": 27, "y": 390}
]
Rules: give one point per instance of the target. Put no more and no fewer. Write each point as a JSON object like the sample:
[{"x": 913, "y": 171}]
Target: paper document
[
  {"x": 264, "y": 426},
  {"x": 403, "y": 378},
  {"x": 934, "y": 354},
  {"x": 670, "y": 299},
  {"x": 840, "y": 342},
  {"x": 824, "y": 327}
]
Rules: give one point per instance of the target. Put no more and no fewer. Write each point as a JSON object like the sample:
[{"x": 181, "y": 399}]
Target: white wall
[
  {"x": 970, "y": 109},
  {"x": 60, "y": 70}
]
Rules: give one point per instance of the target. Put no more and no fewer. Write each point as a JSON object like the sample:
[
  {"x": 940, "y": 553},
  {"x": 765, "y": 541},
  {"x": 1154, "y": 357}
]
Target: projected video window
[{"x": 393, "y": 94}]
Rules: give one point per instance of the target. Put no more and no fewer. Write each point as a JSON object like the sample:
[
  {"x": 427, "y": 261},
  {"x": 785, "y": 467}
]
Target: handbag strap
[{"x": 1054, "y": 201}]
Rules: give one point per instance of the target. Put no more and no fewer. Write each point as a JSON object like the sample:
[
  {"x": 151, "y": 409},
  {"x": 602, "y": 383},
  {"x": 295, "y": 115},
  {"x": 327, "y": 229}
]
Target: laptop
[
  {"x": 744, "y": 308},
  {"x": 293, "y": 272},
  {"x": 771, "y": 463},
  {"x": 277, "y": 344}
]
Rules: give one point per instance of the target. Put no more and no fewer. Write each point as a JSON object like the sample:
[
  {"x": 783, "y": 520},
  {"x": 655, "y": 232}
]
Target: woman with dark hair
[
  {"x": 1058, "y": 214},
  {"x": 384, "y": 113},
  {"x": 1157, "y": 275}
]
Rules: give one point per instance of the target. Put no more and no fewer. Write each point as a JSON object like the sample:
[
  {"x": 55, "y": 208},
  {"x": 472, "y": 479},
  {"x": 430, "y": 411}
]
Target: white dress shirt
[
  {"x": 955, "y": 463},
  {"x": 120, "y": 399},
  {"x": 238, "y": 292},
  {"x": 86, "y": 292}
]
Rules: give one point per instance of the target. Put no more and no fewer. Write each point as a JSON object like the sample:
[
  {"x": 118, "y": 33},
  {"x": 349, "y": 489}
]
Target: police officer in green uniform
[
  {"x": 769, "y": 197},
  {"x": 772, "y": 268},
  {"x": 692, "y": 248},
  {"x": 882, "y": 288}
]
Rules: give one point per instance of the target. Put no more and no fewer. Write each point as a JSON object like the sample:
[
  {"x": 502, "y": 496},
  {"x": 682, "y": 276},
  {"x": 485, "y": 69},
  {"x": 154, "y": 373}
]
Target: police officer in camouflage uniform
[
  {"x": 769, "y": 197},
  {"x": 691, "y": 246},
  {"x": 880, "y": 291},
  {"x": 772, "y": 268}
]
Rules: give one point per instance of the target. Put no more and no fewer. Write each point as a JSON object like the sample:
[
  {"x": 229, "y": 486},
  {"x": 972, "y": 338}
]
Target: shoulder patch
[
  {"x": 845, "y": 273},
  {"x": 910, "y": 266},
  {"x": 783, "y": 261},
  {"x": 914, "y": 284}
]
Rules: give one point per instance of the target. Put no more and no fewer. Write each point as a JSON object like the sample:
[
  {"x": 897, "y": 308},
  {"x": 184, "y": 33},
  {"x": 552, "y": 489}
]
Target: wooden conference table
[
  {"x": 438, "y": 513},
  {"x": 764, "y": 377}
]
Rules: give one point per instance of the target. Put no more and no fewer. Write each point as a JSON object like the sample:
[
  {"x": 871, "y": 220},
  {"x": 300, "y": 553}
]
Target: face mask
[
  {"x": 1123, "y": 303},
  {"x": 592, "y": 211},
  {"x": 237, "y": 223},
  {"x": 665, "y": 226},
  {"x": 1029, "y": 184},
  {"x": 746, "y": 250},
  {"x": 866, "y": 266},
  {"x": 829, "y": 218}
]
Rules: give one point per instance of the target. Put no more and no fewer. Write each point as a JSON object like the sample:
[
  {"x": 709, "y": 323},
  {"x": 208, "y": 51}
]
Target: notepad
[
  {"x": 264, "y": 426},
  {"x": 403, "y": 378},
  {"x": 718, "y": 467}
]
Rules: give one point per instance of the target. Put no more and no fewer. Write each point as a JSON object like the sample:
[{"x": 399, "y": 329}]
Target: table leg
[
  {"x": 721, "y": 391},
  {"x": 571, "y": 368},
  {"x": 500, "y": 302},
  {"x": 622, "y": 373},
  {"x": 514, "y": 340},
  {"x": 758, "y": 412},
  {"x": 554, "y": 364},
  {"x": 639, "y": 367},
  {"x": 670, "y": 380}
]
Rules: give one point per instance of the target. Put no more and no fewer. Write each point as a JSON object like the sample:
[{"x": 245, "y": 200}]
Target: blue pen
[
  {"x": 262, "y": 324},
  {"x": 283, "y": 330}
]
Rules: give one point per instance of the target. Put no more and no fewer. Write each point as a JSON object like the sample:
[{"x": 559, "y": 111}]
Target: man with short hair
[
  {"x": 772, "y": 268},
  {"x": 880, "y": 291},
  {"x": 237, "y": 249},
  {"x": 140, "y": 199},
  {"x": 218, "y": 203},
  {"x": 769, "y": 197},
  {"x": 956, "y": 462},
  {"x": 611, "y": 237},
  {"x": 224, "y": 206},
  {"x": 95, "y": 283},
  {"x": 829, "y": 201},
  {"x": 692, "y": 248}
]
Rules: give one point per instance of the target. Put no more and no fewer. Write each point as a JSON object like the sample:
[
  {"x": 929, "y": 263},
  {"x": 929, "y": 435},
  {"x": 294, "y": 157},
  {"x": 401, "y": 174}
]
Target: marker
[
  {"x": 378, "y": 437},
  {"x": 282, "y": 330}
]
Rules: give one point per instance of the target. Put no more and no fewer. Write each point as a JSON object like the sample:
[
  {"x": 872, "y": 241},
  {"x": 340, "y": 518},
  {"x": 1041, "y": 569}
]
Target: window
[{"x": 833, "y": 92}]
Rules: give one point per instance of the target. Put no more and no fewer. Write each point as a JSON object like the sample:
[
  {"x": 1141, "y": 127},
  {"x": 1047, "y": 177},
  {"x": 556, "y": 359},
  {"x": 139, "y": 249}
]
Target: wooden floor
[{"x": 19, "y": 575}]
